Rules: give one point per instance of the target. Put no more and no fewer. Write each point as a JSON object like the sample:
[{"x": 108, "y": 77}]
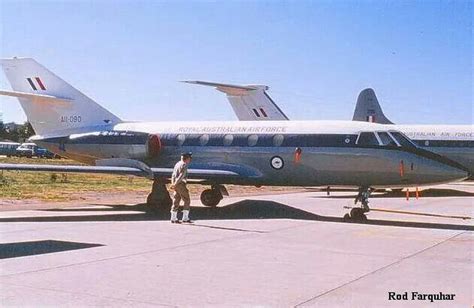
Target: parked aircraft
[
  {"x": 249, "y": 102},
  {"x": 296, "y": 153},
  {"x": 456, "y": 142}
]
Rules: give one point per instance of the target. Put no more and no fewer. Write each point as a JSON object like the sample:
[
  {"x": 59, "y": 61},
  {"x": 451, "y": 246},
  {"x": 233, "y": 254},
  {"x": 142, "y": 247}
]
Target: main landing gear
[
  {"x": 159, "y": 197},
  {"x": 212, "y": 197},
  {"x": 358, "y": 213}
]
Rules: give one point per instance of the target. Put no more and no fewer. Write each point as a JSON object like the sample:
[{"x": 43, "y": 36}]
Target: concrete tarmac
[{"x": 268, "y": 250}]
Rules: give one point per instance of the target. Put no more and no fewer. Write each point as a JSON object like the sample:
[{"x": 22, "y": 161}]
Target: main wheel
[
  {"x": 357, "y": 214},
  {"x": 211, "y": 197}
]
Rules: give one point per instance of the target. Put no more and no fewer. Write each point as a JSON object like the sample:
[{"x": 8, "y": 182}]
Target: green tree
[
  {"x": 25, "y": 131},
  {"x": 3, "y": 132}
]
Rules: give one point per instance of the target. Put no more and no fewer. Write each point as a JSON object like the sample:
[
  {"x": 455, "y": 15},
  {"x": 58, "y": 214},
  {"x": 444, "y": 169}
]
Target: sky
[{"x": 316, "y": 56}]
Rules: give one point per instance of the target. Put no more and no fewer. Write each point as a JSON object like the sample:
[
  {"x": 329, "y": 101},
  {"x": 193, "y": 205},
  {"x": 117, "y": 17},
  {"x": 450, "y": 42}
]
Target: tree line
[{"x": 16, "y": 133}]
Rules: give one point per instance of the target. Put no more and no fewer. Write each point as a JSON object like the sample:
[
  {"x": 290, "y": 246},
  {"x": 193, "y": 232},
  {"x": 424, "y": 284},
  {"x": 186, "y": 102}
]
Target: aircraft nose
[
  {"x": 440, "y": 172},
  {"x": 456, "y": 174},
  {"x": 437, "y": 169}
]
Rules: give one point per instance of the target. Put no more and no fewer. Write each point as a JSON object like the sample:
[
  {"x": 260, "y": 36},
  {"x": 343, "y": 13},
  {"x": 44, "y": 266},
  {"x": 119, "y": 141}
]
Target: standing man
[{"x": 178, "y": 184}]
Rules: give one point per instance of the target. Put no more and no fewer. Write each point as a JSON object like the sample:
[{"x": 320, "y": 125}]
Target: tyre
[
  {"x": 357, "y": 214},
  {"x": 210, "y": 197}
]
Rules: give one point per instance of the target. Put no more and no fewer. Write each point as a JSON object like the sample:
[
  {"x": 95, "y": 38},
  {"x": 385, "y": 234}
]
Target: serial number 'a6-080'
[{"x": 71, "y": 119}]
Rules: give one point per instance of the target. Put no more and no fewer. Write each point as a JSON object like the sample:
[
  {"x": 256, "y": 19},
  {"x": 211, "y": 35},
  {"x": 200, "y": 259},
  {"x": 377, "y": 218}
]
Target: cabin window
[
  {"x": 180, "y": 139},
  {"x": 367, "y": 139},
  {"x": 203, "y": 140},
  {"x": 252, "y": 140},
  {"x": 278, "y": 140},
  {"x": 228, "y": 140}
]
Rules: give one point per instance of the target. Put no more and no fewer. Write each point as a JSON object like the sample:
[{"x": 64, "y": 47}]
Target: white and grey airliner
[
  {"x": 297, "y": 153},
  {"x": 456, "y": 142},
  {"x": 453, "y": 141}
]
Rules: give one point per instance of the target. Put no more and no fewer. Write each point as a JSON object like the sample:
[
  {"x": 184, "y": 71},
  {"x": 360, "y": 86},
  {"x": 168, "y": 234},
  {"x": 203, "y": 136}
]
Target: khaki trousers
[{"x": 181, "y": 192}]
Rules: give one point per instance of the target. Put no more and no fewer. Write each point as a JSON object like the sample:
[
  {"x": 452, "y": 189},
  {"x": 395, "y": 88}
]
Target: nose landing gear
[{"x": 358, "y": 213}]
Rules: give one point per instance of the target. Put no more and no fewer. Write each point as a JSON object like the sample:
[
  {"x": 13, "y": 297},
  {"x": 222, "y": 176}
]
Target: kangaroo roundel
[{"x": 277, "y": 162}]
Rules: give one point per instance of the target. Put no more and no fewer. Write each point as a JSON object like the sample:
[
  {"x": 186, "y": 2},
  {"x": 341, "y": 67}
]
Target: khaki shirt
[{"x": 180, "y": 173}]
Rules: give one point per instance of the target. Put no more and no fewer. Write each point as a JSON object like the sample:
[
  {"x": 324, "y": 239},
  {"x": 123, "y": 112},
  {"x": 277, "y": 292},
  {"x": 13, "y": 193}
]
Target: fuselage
[
  {"x": 301, "y": 153},
  {"x": 455, "y": 142}
]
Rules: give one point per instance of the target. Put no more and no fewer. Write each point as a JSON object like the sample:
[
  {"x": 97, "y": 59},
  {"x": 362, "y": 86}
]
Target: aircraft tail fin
[
  {"x": 250, "y": 102},
  {"x": 368, "y": 108},
  {"x": 52, "y": 106}
]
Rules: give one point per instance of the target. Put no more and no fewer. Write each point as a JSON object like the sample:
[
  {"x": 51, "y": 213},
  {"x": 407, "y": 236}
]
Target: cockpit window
[
  {"x": 367, "y": 139},
  {"x": 402, "y": 140},
  {"x": 386, "y": 139}
]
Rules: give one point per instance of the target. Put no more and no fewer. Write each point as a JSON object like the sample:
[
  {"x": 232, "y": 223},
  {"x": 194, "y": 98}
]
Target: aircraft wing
[
  {"x": 197, "y": 174},
  {"x": 250, "y": 102}
]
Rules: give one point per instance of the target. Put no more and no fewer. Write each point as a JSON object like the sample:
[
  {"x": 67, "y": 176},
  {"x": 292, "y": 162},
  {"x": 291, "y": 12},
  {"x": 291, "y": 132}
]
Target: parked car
[
  {"x": 26, "y": 150},
  {"x": 30, "y": 149},
  {"x": 8, "y": 148},
  {"x": 40, "y": 152}
]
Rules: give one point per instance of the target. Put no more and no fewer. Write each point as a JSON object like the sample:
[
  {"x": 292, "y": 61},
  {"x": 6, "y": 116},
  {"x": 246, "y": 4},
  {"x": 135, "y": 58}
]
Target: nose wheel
[{"x": 358, "y": 213}]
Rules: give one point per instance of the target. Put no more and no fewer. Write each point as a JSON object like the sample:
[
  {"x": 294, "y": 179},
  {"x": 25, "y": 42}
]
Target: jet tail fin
[
  {"x": 368, "y": 108},
  {"x": 51, "y": 105},
  {"x": 250, "y": 102}
]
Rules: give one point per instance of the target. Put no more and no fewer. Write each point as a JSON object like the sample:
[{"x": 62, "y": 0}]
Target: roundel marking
[{"x": 277, "y": 162}]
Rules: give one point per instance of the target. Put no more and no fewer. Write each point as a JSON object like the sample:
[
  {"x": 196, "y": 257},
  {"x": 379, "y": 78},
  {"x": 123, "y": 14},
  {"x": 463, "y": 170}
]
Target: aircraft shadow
[
  {"x": 245, "y": 209},
  {"x": 401, "y": 194}
]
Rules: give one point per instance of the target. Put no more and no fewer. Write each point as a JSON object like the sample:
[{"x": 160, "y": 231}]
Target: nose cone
[
  {"x": 436, "y": 172},
  {"x": 453, "y": 174}
]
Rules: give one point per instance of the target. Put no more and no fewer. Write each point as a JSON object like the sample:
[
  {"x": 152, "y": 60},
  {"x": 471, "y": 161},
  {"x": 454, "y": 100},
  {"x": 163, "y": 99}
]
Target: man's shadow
[{"x": 242, "y": 210}]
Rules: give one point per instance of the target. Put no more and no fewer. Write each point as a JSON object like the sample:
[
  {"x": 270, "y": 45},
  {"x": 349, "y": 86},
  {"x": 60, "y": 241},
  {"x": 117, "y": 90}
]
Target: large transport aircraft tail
[
  {"x": 250, "y": 102},
  {"x": 368, "y": 108},
  {"x": 52, "y": 106}
]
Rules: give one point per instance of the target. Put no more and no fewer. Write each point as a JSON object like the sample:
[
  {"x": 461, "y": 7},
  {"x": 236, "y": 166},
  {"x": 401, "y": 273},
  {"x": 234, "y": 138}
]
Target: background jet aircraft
[
  {"x": 453, "y": 141},
  {"x": 297, "y": 153},
  {"x": 250, "y": 102}
]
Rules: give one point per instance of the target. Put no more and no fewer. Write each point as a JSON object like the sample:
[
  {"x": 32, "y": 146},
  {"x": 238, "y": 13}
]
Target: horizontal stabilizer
[
  {"x": 250, "y": 102},
  {"x": 229, "y": 89},
  {"x": 36, "y": 98}
]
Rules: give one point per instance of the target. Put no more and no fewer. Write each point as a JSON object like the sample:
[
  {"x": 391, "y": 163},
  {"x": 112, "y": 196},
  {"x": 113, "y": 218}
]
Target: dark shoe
[
  {"x": 189, "y": 221},
  {"x": 175, "y": 221}
]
